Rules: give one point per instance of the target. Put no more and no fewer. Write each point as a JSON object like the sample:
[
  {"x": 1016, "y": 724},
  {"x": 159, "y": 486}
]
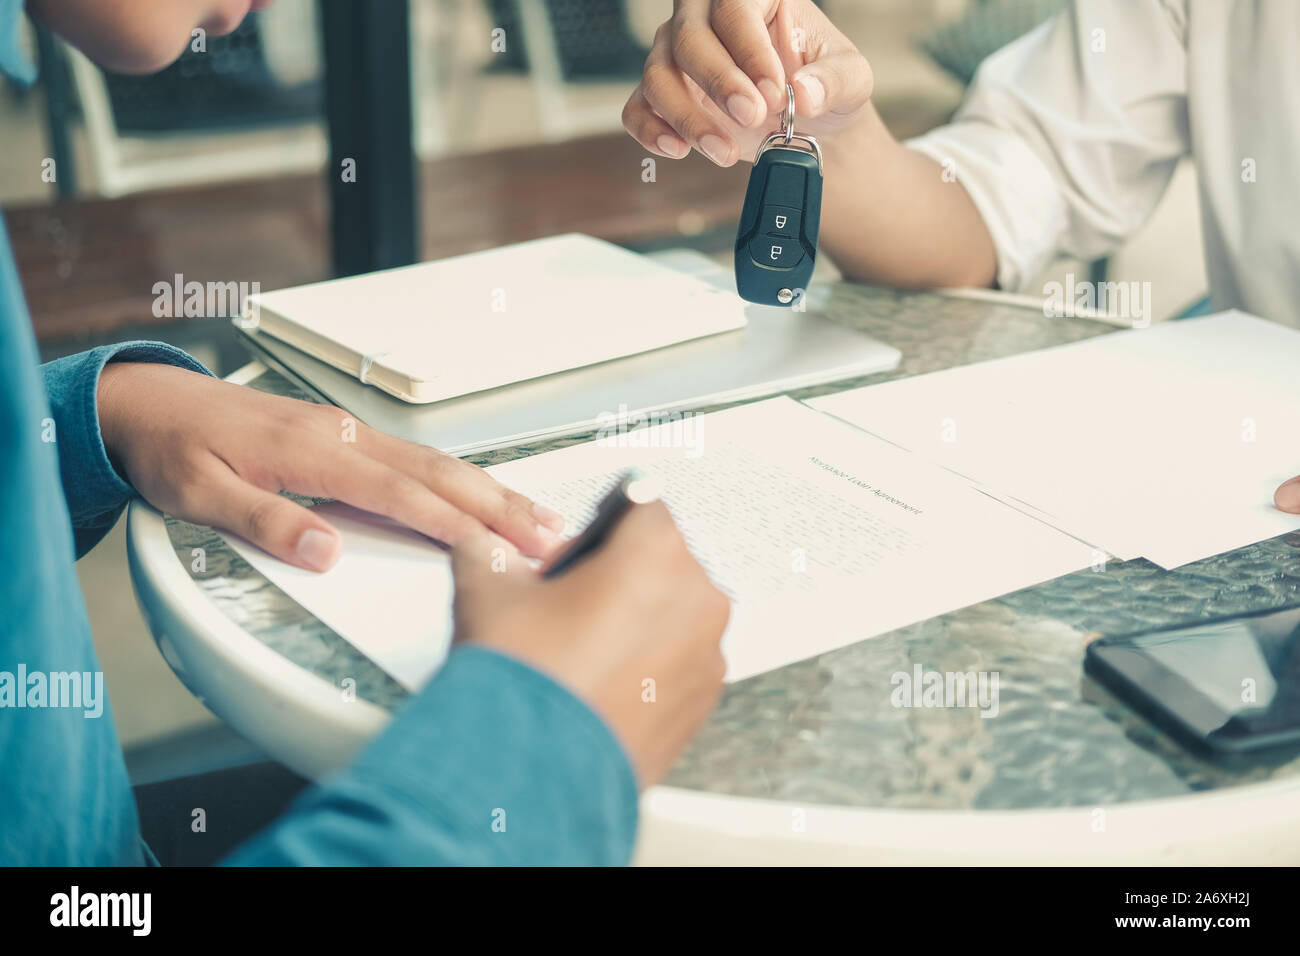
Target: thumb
[
  {"x": 1287, "y": 496},
  {"x": 275, "y": 524},
  {"x": 838, "y": 83}
]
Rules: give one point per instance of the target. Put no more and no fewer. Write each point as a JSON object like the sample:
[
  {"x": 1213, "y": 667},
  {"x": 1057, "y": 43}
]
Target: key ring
[
  {"x": 787, "y": 118},
  {"x": 786, "y": 135}
]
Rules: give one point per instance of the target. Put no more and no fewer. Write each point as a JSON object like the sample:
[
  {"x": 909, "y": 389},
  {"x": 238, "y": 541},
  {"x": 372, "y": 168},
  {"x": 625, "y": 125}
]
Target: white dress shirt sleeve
[{"x": 1070, "y": 134}]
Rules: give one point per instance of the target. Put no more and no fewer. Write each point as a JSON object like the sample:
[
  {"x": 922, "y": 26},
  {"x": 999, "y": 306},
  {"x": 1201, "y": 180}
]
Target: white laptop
[{"x": 778, "y": 350}]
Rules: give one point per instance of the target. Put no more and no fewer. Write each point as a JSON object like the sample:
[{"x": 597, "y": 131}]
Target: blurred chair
[
  {"x": 961, "y": 45},
  {"x": 582, "y": 39},
  {"x": 556, "y": 44},
  {"x": 245, "y": 107}
]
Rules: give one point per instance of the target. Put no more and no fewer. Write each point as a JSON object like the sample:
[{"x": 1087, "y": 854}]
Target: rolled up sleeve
[
  {"x": 95, "y": 492},
  {"x": 1069, "y": 135}
]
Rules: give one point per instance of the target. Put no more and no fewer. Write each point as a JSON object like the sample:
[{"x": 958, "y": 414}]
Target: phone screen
[{"x": 1237, "y": 678}]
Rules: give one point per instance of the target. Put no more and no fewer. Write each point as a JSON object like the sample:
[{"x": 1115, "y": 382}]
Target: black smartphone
[{"x": 1225, "y": 686}]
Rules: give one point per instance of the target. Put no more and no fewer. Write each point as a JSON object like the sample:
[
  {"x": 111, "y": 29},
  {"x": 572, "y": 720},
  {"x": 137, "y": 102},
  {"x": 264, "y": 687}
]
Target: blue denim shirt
[{"x": 492, "y": 762}]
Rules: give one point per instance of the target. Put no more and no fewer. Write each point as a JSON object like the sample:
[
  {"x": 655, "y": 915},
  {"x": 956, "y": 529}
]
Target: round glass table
[{"x": 813, "y": 763}]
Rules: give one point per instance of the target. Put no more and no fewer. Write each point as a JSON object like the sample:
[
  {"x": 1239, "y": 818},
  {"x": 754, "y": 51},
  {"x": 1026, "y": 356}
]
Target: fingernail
[
  {"x": 549, "y": 517},
  {"x": 742, "y": 109},
  {"x": 813, "y": 87},
  {"x": 715, "y": 148},
  {"x": 774, "y": 95},
  {"x": 1287, "y": 497},
  {"x": 319, "y": 550},
  {"x": 672, "y": 146}
]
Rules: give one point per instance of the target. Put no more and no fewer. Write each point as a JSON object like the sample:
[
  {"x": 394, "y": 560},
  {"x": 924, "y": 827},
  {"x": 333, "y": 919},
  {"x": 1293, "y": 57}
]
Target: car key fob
[{"x": 776, "y": 244}]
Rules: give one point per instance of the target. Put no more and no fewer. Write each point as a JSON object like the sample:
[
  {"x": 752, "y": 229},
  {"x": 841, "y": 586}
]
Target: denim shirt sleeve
[
  {"x": 95, "y": 493},
  {"x": 14, "y": 61},
  {"x": 492, "y": 763}
]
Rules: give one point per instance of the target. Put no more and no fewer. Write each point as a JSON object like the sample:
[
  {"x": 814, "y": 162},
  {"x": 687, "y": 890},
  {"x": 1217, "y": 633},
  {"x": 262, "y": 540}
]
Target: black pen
[{"x": 632, "y": 488}]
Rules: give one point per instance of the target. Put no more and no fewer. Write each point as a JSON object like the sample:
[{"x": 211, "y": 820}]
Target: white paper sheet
[
  {"x": 389, "y": 595},
  {"x": 1165, "y": 442},
  {"x": 821, "y": 534}
]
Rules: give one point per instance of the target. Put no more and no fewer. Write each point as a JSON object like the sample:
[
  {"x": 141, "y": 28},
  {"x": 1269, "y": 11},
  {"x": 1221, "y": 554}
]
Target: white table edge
[{"x": 259, "y": 692}]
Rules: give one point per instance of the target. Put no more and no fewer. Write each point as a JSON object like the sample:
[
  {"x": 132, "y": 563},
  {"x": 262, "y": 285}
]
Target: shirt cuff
[
  {"x": 95, "y": 492},
  {"x": 492, "y": 763}
]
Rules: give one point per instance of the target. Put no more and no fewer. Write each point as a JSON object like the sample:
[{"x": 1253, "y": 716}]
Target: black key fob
[{"x": 776, "y": 245}]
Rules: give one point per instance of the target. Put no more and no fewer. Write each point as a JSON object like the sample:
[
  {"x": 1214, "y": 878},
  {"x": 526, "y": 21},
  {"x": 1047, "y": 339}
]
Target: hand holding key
[
  {"x": 715, "y": 81},
  {"x": 776, "y": 243},
  {"x": 716, "y": 77}
]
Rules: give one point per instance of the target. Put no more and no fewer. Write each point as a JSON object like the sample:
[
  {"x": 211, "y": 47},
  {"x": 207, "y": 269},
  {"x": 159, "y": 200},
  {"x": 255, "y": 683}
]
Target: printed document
[{"x": 821, "y": 534}]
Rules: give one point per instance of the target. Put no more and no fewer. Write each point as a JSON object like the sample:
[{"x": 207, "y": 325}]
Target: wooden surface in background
[{"x": 89, "y": 266}]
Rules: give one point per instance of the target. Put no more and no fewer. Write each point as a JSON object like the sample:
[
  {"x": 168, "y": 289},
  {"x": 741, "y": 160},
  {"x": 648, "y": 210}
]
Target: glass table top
[{"x": 826, "y": 730}]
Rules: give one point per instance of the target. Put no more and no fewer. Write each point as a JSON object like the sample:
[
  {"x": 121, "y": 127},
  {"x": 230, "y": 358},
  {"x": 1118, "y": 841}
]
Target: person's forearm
[
  {"x": 891, "y": 216},
  {"x": 491, "y": 763}
]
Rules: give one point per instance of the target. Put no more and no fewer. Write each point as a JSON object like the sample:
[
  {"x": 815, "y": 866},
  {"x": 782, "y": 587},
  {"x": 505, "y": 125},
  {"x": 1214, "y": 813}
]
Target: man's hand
[
  {"x": 633, "y": 629},
  {"x": 715, "y": 78},
  {"x": 219, "y": 454},
  {"x": 1287, "y": 496}
]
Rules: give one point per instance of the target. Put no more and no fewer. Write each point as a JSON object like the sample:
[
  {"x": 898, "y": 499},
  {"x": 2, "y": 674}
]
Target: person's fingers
[
  {"x": 690, "y": 114},
  {"x": 649, "y": 534},
  {"x": 280, "y": 527},
  {"x": 789, "y": 38},
  {"x": 530, "y": 526},
  {"x": 1287, "y": 496},
  {"x": 649, "y": 129},
  {"x": 374, "y": 486},
  {"x": 648, "y": 537},
  {"x": 432, "y": 492},
  {"x": 741, "y": 28},
  {"x": 838, "y": 83},
  {"x": 699, "y": 53},
  {"x": 644, "y": 535}
]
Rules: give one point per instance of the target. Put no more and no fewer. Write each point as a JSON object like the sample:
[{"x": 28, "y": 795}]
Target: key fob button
[
  {"x": 775, "y": 251},
  {"x": 784, "y": 186},
  {"x": 781, "y": 221}
]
